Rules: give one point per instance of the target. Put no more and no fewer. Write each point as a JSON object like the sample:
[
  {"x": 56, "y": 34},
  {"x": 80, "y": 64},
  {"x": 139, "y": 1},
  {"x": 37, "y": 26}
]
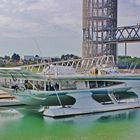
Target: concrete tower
[{"x": 99, "y": 16}]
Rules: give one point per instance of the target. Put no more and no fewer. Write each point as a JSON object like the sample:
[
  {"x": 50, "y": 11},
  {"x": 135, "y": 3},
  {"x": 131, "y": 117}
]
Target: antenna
[{"x": 37, "y": 46}]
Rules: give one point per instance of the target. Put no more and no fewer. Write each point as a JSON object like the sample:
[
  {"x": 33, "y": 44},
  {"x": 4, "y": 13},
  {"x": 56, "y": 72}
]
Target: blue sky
[{"x": 53, "y": 27}]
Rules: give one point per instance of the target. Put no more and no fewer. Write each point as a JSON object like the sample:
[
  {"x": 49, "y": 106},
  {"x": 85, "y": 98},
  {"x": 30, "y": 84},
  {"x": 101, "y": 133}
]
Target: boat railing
[
  {"x": 132, "y": 70},
  {"x": 83, "y": 65}
]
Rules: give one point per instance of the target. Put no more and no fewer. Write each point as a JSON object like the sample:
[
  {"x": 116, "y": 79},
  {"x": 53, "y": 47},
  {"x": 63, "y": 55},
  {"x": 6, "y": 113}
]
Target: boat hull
[{"x": 64, "y": 112}]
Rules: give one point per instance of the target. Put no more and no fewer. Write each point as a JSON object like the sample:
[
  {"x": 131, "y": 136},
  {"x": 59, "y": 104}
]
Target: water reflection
[
  {"x": 7, "y": 115},
  {"x": 29, "y": 111},
  {"x": 119, "y": 115},
  {"x": 18, "y": 112},
  {"x": 22, "y": 123},
  {"x": 100, "y": 117}
]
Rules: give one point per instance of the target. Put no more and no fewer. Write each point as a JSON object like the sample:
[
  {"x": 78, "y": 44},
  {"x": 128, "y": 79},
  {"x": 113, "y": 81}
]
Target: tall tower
[{"x": 99, "y": 16}]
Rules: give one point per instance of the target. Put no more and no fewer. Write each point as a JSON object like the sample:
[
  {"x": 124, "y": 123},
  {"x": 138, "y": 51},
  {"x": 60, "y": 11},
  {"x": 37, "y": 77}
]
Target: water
[{"x": 19, "y": 124}]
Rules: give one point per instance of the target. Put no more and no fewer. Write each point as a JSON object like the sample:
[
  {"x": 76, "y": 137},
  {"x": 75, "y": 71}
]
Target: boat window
[
  {"x": 56, "y": 86},
  {"x": 50, "y": 87},
  {"x": 92, "y": 84},
  {"x": 100, "y": 84},
  {"x": 68, "y": 85},
  {"x": 86, "y": 84}
]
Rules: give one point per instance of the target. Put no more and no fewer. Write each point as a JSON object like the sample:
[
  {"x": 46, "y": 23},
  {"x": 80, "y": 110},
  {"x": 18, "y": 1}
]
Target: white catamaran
[{"x": 102, "y": 89}]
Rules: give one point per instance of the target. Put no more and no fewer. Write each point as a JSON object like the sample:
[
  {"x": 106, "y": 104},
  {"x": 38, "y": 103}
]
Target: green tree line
[{"x": 128, "y": 61}]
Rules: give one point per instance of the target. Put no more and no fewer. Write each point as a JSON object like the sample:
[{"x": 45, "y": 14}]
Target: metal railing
[{"x": 80, "y": 65}]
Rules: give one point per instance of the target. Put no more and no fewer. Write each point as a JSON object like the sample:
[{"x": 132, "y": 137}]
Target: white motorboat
[{"x": 76, "y": 94}]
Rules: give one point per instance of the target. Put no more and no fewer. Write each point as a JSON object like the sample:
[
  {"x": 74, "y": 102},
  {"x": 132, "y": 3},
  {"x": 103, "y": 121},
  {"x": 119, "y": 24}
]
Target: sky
[{"x": 53, "y": 27}]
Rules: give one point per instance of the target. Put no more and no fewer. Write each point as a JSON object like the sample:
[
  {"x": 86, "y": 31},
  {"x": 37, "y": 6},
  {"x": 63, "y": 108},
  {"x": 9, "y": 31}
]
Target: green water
[{"x": 19, "y": 124}]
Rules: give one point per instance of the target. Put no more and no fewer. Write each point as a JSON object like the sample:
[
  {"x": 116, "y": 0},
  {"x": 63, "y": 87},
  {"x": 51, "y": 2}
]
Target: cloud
[
  {"x": 37, "y": 17},
  {"x": 128, "y": 12},
  {"x": 135, "y": 2},
  {"x": 49, "y": 20},
  {"x": 29, "y": 18},
  {"x": 13, "y": 19}
]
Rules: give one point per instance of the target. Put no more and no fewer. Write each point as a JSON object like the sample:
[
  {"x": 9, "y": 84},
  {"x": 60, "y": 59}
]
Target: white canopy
[{"x": 58, "y": 70}]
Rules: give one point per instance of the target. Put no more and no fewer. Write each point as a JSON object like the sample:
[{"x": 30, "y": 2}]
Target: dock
[{"x": 8, "y": 100}]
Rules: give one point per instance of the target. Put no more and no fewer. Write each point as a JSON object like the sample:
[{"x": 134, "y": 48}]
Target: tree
[
  {"x": 7, "y": 57},
  {"x": 15, "y": 57},
  {"x": 37, "y": 55},
  {"x": 62, "y": 57},
  {"x": 69, "y": 57},
  {"x": 127, "y": 62}
]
